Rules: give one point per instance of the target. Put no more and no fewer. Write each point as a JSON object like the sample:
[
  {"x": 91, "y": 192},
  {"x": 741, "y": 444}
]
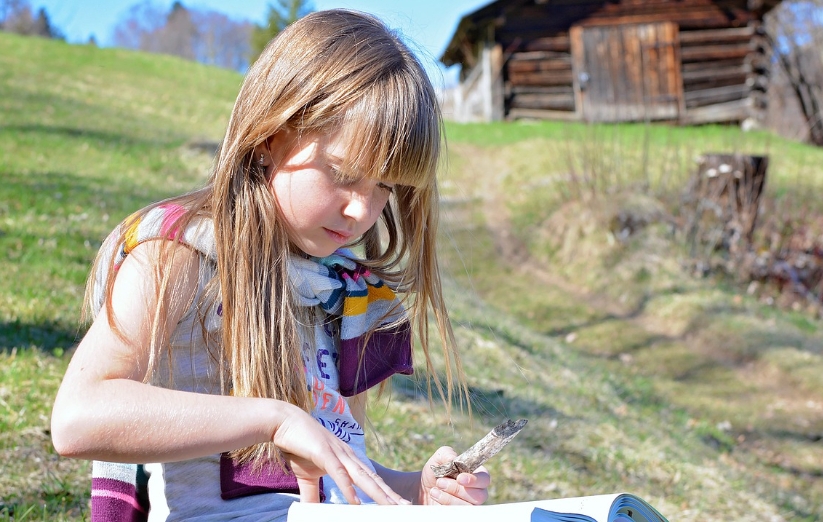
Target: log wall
[
  {"x": 723, "y": 55},
  {"x": 725, "y": 73}
]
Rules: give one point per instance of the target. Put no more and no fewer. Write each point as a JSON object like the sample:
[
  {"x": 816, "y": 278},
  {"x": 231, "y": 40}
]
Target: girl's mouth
[{"x": 338, "y": 237}]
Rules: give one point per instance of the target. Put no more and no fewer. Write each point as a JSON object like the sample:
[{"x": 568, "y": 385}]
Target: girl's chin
[
  {"x": 320, "y": 247},
  {"x": 316, "y": 250}
]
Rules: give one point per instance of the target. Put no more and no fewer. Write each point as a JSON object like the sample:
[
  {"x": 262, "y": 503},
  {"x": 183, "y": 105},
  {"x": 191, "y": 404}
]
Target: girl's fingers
[
  {"x": 389, "y": 496},
  {"x": 316, "y": 452},
  {"x": 341, "y": 476},
  {"x": 356, "y": 473},
  {"x": 373, "y": 485},
  {"x": 444, "y": 498},
  {"x": 468, "y": 489},
  {"x": 449, "y": 497},
  {"x": 479, "y": 479},
  {"x": 309, "y": 490},
  {"x": 444, "y": 454}
]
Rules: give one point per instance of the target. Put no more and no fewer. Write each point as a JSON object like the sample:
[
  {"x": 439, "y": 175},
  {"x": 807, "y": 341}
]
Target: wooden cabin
[{"x": 684, "y": 61}]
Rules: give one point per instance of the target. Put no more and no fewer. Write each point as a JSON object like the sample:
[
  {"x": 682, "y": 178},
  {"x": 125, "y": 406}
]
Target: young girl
[{"x": 234, "y": 334}]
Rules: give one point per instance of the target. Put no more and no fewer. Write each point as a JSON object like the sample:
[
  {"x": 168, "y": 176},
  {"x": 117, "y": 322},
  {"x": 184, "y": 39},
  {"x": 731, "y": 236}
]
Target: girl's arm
[
  {"x": 104, "y": 411},
  {"x": 422, "y": 487}
]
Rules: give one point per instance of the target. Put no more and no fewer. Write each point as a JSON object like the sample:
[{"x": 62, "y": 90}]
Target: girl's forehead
[
  {"x": 340, "y": 149},
  {"x": 356, "y": 150},
  {"x": 319, "y": 147},
  {"x": 335, "y": 147}
]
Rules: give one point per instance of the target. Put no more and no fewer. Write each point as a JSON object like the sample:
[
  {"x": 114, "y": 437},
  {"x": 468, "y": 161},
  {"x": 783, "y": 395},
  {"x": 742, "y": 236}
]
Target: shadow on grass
[
  {"x": 493, "y": 405},
  {"x": 110, "y": 138},
  {"x": 48, "y": 337},
  {"x": 60, "y": 192}
]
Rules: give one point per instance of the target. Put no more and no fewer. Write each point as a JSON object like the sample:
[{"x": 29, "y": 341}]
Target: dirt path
[{"x": 515, "y": 254}]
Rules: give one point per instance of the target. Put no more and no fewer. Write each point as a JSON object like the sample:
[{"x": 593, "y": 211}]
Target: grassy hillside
[
  {"x": 634, "y": 375},
  {"x": 87, "y": 136},
  {"x": 708, "y": 397}
]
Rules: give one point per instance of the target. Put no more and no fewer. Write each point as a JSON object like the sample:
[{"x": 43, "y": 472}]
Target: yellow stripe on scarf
[
  {"x": 359, "y": 305},
  {"x": 131, "y": 237}
]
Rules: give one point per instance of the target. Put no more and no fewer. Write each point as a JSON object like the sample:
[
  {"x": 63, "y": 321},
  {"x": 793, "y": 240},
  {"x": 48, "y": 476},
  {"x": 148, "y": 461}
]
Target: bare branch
[{"x": 483, "y": 450}]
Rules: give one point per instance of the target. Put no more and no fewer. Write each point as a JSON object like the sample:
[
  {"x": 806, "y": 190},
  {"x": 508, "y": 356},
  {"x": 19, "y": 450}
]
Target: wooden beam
[
  {"x": 537, "y": 114},
  {"x": 721, "y": 113},
  {"x": 557, "y": 102},
  {"x": 527, "y": 56},
  {"x": 540, "y": 65},
  {"x": 714, "y": 64},
  {"x": 541, "y": 78},
  {"x": 716, "y": 95},
  {"x": 715, "y": 36},
  {"x": 550, "y": 43},
  {"x": 541, "y": 89},
  {"x": 714, "y": 52},
  {"x": 715, "y": 82},
  {"x": 709, "y": 72},
  {"x": 469, "y": 57}
]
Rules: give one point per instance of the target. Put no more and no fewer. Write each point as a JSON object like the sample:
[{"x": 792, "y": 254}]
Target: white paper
[{"x": 597, "y": 507}]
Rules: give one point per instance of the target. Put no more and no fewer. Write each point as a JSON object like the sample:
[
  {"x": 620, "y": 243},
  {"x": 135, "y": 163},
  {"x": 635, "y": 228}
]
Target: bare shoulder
[
  {"x": 153, "y": 288},
  {"x": 156, "y": 270}
]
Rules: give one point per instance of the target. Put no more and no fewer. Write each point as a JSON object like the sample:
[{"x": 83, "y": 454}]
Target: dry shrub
[{"x": 621, "y": 246}]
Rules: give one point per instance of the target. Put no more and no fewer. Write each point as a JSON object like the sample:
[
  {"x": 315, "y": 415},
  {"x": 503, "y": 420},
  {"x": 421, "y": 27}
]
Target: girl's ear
[
  {"x": 262, "y": 154},
  {"x": 272, "y": 151}
]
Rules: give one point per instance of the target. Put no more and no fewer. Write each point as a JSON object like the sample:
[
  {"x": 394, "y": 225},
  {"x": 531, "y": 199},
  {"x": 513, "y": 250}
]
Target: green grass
[
  {"x": 633, "y": 374},
  {"x": 87, "y": 136},
  {"x": 707, "y": 365},
  {"x": 39, "y": 484}
]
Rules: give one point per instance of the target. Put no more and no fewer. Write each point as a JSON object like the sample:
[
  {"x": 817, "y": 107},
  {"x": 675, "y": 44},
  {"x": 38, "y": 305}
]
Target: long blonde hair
[{"x": 330, "y": 70}]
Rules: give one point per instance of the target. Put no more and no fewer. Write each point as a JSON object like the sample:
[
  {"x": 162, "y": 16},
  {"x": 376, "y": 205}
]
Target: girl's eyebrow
[
  {"x": 330, "y": 156},
  {"x": 340, "y": 164},
  {"x": 335, "y": 162}
]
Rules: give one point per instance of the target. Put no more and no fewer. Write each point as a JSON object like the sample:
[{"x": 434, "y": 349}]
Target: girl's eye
[
  {"x": 349, "y": 181},
  {"x": 336, "y": 174},
  {"x": 341, "y": 179}
]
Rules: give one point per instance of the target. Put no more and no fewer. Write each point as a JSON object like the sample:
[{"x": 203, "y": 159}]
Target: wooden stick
[{"x": 483, "y": 450}]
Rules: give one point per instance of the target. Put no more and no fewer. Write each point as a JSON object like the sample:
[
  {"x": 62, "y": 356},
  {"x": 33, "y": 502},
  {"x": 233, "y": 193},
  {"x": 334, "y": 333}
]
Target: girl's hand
[
  {"x": 467, "y": 489},
  {"x": 312, "y": 451}
]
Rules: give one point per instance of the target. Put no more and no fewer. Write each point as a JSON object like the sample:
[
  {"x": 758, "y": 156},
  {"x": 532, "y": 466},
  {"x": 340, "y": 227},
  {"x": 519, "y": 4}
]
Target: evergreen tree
[
  {"x": 178, "y": 36},
  {"x": 16, "y": 16},
  {"x": 203, "y": 35},
  {"x": 280, "y": 15}
]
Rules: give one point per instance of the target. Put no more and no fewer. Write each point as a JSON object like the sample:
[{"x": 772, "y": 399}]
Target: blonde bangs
[{"x": 399, "y": 143}]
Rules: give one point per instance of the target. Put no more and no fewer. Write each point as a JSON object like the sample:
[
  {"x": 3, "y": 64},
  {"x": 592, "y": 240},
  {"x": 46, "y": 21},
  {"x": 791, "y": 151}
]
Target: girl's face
[{"x": 323, "y": 214}]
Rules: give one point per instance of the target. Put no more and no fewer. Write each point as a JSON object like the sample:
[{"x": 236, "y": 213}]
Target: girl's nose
[{"x": 357, "y": 206}]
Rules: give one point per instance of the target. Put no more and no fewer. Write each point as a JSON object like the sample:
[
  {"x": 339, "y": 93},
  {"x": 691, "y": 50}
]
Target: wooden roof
[{"x": 481, "y": 25}]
